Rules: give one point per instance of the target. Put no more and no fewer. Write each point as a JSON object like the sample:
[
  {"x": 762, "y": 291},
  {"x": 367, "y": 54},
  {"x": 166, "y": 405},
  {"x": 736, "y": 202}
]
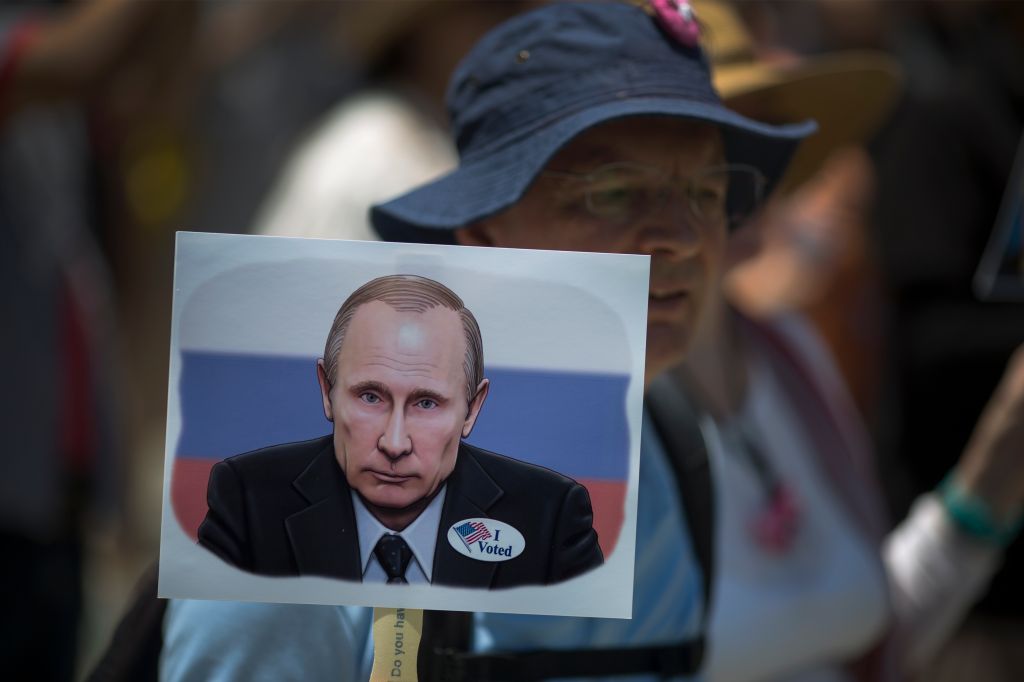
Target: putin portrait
[{"x": 394, "y": 494}]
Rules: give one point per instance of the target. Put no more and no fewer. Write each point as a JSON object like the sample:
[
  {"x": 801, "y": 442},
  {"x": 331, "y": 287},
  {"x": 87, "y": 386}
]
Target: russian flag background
[
  {"x": 252, "y": 315},
  {"x": 233, "y": 403}
]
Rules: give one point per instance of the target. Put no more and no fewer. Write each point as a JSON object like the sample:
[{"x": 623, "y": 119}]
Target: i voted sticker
[{"x": 486, "y": 540}]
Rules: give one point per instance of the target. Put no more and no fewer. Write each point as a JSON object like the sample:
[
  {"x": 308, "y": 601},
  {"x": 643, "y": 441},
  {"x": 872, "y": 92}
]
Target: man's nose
[
  {"x": 395, "y": 442},
  {"x": 672, "y": 231}
]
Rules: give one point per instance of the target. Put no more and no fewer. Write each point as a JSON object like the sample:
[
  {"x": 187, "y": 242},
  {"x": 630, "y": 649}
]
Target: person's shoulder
[
  {"x": 277, "y": 461},
  {"x": 515, "y": 473}
]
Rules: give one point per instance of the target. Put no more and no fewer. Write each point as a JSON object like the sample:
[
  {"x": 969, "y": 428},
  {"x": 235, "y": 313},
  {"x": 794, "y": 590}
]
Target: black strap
[
  {"x": 444, "y": 632},
  {"x": 677, "y": 425},
  {"x": 530, "y": 666}
]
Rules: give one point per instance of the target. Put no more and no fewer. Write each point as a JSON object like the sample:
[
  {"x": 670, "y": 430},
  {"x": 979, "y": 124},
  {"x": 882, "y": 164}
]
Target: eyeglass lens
[{"x": 621, "y": 193}]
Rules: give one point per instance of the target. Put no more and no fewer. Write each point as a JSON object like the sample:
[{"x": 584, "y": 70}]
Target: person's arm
[
  {"x": 992, "y": 467},
  {"x": 218, "y": 641},
  {"x": 936, "y": 573},
  {"x": 938, "y": 562},
  {"x": 576, "y": 549}
]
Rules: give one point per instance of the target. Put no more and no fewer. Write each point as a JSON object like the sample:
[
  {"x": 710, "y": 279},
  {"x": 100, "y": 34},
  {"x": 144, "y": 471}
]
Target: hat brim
[
  {"x": 848, "y": 94},
  {"x": 489, "y": 184}
]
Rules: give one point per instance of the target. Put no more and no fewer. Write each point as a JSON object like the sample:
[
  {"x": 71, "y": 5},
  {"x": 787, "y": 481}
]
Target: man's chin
[
  {"x": 396, "y": 509},
  {"x": 389, "y": 498},
  {"x": 666, "y": 347}
]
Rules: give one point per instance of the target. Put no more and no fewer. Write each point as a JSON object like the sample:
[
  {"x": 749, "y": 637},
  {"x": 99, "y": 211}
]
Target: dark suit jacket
[{"x": 286, "y": 510}]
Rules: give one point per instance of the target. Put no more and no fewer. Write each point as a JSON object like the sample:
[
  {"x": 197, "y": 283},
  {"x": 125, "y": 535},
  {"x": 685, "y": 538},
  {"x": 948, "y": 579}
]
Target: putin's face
[{"x": 399, "y": 406}]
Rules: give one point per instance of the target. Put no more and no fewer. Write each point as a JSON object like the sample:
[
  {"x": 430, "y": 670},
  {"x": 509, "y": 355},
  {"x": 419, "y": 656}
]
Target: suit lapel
[
  {"x": 471, "y": 493},
  {"x": 323, "y": 536}
]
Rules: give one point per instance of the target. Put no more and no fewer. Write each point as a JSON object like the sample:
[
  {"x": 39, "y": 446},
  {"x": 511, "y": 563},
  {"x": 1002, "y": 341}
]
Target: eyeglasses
[{"x": 624, "y": 192}]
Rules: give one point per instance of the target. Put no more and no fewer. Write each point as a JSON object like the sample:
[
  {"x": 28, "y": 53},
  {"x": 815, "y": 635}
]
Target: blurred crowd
[{"x": 122, "y": 122}]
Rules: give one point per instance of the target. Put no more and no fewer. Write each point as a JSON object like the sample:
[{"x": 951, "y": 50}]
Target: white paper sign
[{"x": 325, "y": 395}]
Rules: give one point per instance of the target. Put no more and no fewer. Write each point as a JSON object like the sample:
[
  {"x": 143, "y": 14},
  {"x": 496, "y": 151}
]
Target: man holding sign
[{"x": 580, "y": 127}]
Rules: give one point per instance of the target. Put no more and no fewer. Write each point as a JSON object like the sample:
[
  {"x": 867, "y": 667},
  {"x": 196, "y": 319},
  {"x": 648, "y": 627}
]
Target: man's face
[
  {"x": 686, "y": 253},
  {"x": 399, "y": 404}
]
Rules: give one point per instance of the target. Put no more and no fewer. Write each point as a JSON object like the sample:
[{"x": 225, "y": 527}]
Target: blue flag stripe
[{"x": 572, "y": 423}]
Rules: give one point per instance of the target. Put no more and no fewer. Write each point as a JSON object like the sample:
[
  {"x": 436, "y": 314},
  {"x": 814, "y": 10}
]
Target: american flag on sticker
[{"x": 472, "y": 531}]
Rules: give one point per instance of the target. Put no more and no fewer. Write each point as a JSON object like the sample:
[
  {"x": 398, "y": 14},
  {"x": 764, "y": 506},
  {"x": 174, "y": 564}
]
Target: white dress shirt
[{"x": 420, "y": 535}]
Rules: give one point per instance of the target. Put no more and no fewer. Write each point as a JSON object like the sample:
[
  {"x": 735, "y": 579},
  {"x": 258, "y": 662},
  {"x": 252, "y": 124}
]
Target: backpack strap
[
  {"x": 677, "y": 422},
  {"x": 677, "y": 425}
]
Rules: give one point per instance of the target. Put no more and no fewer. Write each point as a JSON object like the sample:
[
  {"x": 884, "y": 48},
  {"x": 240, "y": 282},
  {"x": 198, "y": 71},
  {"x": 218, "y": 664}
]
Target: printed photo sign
[{"x": 402, "y": 425}]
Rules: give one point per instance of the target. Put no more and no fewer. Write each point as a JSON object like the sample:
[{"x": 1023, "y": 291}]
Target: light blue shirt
[
  {"x": 667, "y": 585},
  {"x": 219, "y": 641}
]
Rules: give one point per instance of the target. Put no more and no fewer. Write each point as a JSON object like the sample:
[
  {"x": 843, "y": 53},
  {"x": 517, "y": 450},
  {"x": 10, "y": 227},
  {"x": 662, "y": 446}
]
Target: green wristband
[{"x": 974, "y": 516}]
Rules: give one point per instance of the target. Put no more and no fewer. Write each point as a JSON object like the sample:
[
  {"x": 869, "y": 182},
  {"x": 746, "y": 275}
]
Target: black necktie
[{"x": 393, "y": 555}]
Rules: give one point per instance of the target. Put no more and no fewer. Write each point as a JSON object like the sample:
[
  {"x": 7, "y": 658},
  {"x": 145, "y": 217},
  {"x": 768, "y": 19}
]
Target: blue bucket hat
[{"x": 540, "y": 79}]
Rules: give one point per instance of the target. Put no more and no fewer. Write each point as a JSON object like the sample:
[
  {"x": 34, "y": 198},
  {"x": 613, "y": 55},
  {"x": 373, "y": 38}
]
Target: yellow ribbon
[{"x": 396, "y": 642}]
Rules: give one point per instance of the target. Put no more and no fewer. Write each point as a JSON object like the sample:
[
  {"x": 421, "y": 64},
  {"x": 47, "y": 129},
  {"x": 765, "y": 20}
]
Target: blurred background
[{"x": 122, "y": 122}]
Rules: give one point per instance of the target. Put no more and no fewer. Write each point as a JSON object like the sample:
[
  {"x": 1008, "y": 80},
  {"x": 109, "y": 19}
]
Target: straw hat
[{"x": 848, "y": 93}]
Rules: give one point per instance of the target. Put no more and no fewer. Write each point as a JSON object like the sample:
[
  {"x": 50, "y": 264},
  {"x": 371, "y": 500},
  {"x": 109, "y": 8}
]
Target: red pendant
[{"x": 777, "y": 525}]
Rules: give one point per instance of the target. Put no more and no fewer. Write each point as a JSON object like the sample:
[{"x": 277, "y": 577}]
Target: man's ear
[
  {"x": 325, "y": 388},
  {"x": 475, "y": 406},
  {"x": 476, "y": 234}
]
